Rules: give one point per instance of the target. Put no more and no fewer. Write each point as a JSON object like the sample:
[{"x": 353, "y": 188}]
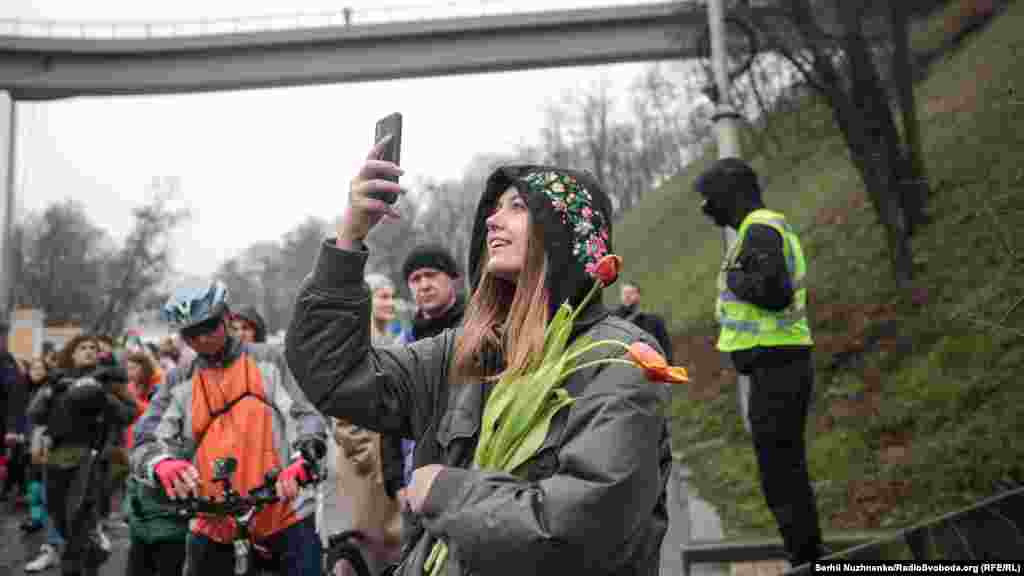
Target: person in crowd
[
  {"x": 157, "y": 534},
  {"x": 432, "y": 276},
  {"x": 761, "y": 309},
  {"x": 37, "y": 378},
  {"x": 653, "y": 324},
  {"x": 367, "y": 469},
  {"x": 592, "y": 498},
  {"x": 186, "y": 355},
  {"x": 382, "y": 304},
  {"x": 169, "y": 354},
  {"x": 107, "y": 355},
  {"x": 84, "y": 404},
  {"x": 114, "y": 455},
  {"x": 16, "y": 434},
  {"x": 9, "y": 375},
  {"x": 50, "y": 355},
  {"x": 240, "y": 400},
  {"x": 144, "y": 376},
  {"x": 248, "y": 326},
  {"x": 49, "y": 553}
]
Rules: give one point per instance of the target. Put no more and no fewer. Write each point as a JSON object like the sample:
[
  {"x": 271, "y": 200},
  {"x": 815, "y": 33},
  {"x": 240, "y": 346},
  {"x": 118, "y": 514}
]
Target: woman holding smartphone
[{"x": 591, "y": 497}]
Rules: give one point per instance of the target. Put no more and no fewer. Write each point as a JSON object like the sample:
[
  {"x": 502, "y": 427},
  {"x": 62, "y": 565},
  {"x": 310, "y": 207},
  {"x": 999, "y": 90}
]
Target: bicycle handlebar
[{"x": 234, "y": 504}]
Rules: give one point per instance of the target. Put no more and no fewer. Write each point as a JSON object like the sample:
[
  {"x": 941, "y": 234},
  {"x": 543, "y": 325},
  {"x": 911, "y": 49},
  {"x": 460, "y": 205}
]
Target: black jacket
[
  {"x": 74, "y": 414},
  {"x": 759, "y": 274},
  {"x": 426, "y": 328},
  {"x": 650, "y": 323},
  {"x": 8, "y": 386},
  {"x": 17, "y": 406}
]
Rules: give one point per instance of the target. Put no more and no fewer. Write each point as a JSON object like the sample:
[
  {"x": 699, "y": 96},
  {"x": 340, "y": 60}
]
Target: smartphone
[{"x": 390, "y": 124}]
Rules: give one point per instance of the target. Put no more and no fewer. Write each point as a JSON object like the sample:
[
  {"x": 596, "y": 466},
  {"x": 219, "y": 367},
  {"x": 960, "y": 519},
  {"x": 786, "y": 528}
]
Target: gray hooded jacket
[{"x": 591, "y": 501}]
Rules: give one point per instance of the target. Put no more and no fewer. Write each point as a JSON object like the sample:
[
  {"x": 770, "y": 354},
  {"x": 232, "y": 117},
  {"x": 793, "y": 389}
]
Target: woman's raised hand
[{"x": 370, "y": 197}]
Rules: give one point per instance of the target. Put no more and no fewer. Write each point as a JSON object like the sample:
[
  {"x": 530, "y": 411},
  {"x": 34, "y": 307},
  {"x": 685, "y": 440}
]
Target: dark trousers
[
  {"x": 17, "y": 467},
  {"x": 781, "y": 387},
  {"x": 106, "y": 491},
  {"x": 295, "y": 550},
  {"x": 157, "y": 558},
  {"x": 75, "y": 520}
]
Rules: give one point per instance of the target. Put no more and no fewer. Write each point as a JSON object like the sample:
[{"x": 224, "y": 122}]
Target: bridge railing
[
  {"x": 129, "y": 29},
  {"x": 991, "y": 530}
]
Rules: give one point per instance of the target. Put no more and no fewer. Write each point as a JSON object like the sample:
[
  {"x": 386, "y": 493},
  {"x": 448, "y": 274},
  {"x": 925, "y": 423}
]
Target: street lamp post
[
  {"x": 726, "y": 120},
  {"x": 8, "y": 107}
]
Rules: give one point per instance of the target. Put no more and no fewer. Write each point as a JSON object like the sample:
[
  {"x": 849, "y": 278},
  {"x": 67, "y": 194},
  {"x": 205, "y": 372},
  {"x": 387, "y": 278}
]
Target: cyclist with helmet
[{"x": 241, "y": 400}]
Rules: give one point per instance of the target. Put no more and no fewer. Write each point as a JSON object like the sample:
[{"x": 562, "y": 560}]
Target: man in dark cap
[
  {"x": 761, "y": 309},
  {"x": 432, "y": 275}
]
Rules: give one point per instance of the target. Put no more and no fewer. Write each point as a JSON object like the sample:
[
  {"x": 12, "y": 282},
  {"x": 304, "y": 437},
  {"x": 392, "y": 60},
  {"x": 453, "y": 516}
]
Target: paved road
[{"x": 16, "y": 549}]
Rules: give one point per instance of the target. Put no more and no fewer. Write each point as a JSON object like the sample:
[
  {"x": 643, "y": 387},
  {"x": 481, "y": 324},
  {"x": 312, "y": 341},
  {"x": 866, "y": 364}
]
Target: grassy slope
[{"x": 952, "y": 404}]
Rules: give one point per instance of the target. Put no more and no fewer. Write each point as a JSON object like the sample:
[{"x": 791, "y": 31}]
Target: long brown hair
[
  {"x": 145, "y": 361},
  {"x": 66, "y": 358},
  {"x": 507, "y": 317}
]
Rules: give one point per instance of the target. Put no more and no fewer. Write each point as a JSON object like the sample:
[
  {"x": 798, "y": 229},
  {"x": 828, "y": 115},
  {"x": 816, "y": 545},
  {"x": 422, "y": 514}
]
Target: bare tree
[
  {"x": 389, "y": 245},
  {"x": 61, "y": 257},
  {"x": 554, "y": 137},
  {"x": 595, "y": 129},
  {"x": 828, "y": 42},
  {"x": 140, "y": 265},
  {"x": 261, "y": 261},
  {"x": 299, "y": 248},
  {"x": 240, "y": 281}
]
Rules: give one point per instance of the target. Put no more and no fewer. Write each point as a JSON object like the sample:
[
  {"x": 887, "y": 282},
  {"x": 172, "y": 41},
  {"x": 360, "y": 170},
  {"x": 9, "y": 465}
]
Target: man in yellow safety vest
[{"x": 762, "y": 313}]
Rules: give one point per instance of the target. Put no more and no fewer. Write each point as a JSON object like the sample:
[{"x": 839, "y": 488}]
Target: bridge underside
[{"x": 48, "y": 68}]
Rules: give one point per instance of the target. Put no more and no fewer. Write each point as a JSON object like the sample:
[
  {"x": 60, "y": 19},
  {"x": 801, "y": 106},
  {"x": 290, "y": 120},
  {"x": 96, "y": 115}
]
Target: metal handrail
[
  {"x": 989, "y": 530},
  {"x": 138, "y": 29}
]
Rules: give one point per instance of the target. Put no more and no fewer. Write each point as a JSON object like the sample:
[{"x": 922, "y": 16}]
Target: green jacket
[{"x": 151, "y": 518}]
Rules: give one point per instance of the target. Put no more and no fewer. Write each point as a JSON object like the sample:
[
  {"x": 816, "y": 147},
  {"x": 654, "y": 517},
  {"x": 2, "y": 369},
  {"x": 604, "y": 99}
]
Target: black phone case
[{"x": 390, "y": 124}]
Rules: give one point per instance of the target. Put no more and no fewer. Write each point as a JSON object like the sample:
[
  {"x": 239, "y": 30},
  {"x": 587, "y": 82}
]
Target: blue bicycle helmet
[{"x": 194, "y": 303}]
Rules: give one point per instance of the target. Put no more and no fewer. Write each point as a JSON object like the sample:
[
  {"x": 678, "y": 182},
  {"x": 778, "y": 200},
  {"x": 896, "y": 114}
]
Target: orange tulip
[
  {"x": 655, "y": 366},
  {"x": 607, "y": 269}
]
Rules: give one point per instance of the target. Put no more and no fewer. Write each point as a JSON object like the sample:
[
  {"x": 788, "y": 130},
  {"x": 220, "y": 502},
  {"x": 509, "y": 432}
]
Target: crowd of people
[
  {"x": 385, "y": 439},
  {"x": 49, "y": 439}
]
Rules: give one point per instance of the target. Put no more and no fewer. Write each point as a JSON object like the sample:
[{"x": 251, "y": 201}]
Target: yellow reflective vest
[{"x": 744, "y": 325}]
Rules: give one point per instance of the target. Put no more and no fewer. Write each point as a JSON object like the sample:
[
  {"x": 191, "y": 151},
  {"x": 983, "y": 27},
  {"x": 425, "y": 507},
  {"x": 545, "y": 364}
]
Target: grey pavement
[
  {"x": 690, "y": 518},
  {"x": 17, "y": 549}
]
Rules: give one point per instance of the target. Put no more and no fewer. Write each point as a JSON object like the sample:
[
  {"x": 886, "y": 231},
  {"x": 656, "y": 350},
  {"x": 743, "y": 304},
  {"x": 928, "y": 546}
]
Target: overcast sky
[{"x": 253, "y": 164}]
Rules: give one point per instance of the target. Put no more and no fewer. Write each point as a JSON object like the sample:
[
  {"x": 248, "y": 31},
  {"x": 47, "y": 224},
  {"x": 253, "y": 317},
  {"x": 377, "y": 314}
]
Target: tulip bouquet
[{"x": 519, "y": 410}]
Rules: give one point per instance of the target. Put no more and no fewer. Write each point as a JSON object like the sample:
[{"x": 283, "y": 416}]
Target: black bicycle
[{"x": 241, "y": 508}]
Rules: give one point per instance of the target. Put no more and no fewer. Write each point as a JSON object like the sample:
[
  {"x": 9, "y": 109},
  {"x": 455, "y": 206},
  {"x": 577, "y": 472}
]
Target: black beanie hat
[{"x": 429, "y": 256}]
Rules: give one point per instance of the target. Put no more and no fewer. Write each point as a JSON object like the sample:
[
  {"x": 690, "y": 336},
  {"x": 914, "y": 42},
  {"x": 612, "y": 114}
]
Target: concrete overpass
[
  {"x": 34, "y": 68},
  {"x": 49, "y": 68}
]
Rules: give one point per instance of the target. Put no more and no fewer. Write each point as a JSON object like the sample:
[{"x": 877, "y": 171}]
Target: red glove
[
  {"x": 170, "y": 470},
  {"x": 295, "y": 471}
]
